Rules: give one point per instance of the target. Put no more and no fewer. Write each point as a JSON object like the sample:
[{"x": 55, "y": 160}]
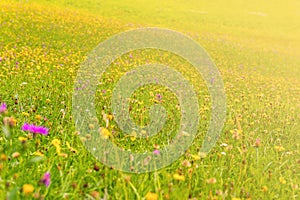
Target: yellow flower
[
  {"x": 110, "y": 117},
  {"x": 151, "y": 196},
  {"x": 22, "y": 139},
  {"x": 71, "y": 148},
  {"x": 264, "y": 188},
  {"x": 282, "y": 180},
  {"x": 38, "y": 153},
  {"x": 38, "y": 117},
  {"x": 56, "y": 143},
  {"x": 133, "y": 136},
  {"x": 195, "y": 157},
  {"x": 178, "y": 177},
  {"x": 279, "y": 148},
  {"x": 25, "y": 114},
  {"x": 104, "y": 132},
  {"x": 3, "y": 157},
  {"x": 27, "y": 189}
]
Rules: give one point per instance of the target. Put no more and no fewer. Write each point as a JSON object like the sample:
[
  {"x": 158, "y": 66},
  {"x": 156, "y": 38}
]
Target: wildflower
[
  {"x": 133, "y": 136},
  {"x": 38, "y": 153},
  {"x": 104, "y": 132},
  {"x": 38, "y": 117},
  {"x": 3, "y": 108},
  {"x": 178, "y": 177},
  {"x": 279, "y": 148},
  {"x": 15, "y": 154},
  {"x": 295, "y": 186},
  {"x": 22, "y": 139},
  {"x": 151, "y": 196},
  {"x": 186, "y": 163},
  {"x": 282, "y": 180},
  {"x": 9, "y": 121},
  {"x": 95, "y": 194},
  {"x": 71, "y": 148},
  {"x": 25, "y": 114},
  {"x": 35, "y": 129},
  {"x": 156, "y": 151},
  {"x": 264, "y": 188},
  {"x": 158, "y": 97},
  {"x": 56, "y": 143},
  {"x": 257, "y": 143},
  {"x": 211, "y": 181},
  {"x": 27, "y": 189},
  {"x": 3, "y": 157},
  {"x": 46, "y": 179}
]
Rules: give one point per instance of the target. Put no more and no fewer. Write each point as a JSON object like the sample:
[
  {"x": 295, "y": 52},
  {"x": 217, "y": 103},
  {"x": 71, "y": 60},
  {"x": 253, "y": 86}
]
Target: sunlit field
[{"x": 254, "y": 44}]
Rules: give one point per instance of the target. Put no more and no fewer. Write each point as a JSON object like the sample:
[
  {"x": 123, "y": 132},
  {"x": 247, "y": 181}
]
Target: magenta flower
[
  {"x": 46, "y": 179},
  {"x": 158, "y": 97},
  {"x": 3, "y": 108},
  {"x": 156, "y": 151},
  {"x": 35, "y": 129}
]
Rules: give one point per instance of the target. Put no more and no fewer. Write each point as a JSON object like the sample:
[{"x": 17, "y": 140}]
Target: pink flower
[
  {"x": 158, "y": 97},
  {"x": 3, "y": 108},
  {"x": 257, "y": 143},
  {"x": 35, "y": 129},
  {"x": 156, "y": 151},
  {"x": 46, "y": 179}
]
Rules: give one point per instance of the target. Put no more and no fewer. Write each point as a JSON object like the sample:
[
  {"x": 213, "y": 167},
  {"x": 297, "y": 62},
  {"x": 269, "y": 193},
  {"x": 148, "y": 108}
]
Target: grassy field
[{"x": 254, "y": 44}]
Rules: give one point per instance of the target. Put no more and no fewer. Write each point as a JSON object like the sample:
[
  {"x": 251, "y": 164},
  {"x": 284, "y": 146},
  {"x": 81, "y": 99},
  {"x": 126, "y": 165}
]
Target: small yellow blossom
[
  {"x": 38, "y": 153},
  {"x": 38, "y": 117},
  {"x": 264, "y": 188},
  {"x": 282, "y": 180},
  {"x": 56, "y": 143},
  {"x": 104, "y": 132},
  {"x": 279, "y": 148},
  {"x": 133, "y": 136},
  {"x": 3, "y": 157},
  {"x": 71, "y": 148},
  {"x": 25, "y": 114},
  {"x": 27, "y": 189},
  {"x": 195, "y": 157},
  {"x": 178, "y": 177},
  {"x": 151, "y": 196},
  {"x": 22, "y": 139}
]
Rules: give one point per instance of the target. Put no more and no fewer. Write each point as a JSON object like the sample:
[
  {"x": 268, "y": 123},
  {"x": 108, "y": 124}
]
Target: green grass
[{"x": 254, "y": 44}]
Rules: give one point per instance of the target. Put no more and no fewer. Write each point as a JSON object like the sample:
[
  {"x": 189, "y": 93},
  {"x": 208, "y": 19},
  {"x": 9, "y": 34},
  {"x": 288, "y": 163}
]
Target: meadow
[{"x": 256, "y": 47}]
